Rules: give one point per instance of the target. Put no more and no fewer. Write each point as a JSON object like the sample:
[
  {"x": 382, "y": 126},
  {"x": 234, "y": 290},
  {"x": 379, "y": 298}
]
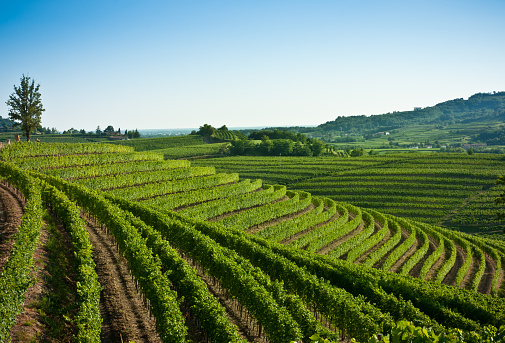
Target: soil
[
  {"x": 125, "y": 316},
  {"x": 487, "y": 279},
  {"x": 332, "y": 245},
  {"x": 238, "y": 315},
  {"x": 450, "y": 278},
  {"x": 387, "y": 236},
  {"x": 397, "y": 266},
  {"x": 11, "y": 210},
  {"x": 416, "y": 270},
  {"x": 297, "y": 235},
  {"x": 257, "y": 228}
]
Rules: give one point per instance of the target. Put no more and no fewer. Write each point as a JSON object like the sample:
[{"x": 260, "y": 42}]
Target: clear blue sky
[{"x": 179, "y": 64}]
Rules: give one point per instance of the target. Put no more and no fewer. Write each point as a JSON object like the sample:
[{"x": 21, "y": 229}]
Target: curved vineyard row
[{"x": 319, "y": 281}]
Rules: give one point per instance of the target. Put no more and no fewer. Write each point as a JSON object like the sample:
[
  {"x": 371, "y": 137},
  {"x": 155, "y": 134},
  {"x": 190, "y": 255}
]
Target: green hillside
[
  {"x": 295, "y": 263},
  {"x": 480, "y": 107},
  {"x": 453, "y": 190}
]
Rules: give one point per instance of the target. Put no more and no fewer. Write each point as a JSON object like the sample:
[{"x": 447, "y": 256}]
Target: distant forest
[
  {"x": 480, "y": 107},
  {"x": 6, "y": 124}
]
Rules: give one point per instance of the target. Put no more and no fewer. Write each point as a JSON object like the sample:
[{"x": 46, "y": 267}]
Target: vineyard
[
  {"x": 451, "y": 190},
  {"x": 239, "y": 257}
]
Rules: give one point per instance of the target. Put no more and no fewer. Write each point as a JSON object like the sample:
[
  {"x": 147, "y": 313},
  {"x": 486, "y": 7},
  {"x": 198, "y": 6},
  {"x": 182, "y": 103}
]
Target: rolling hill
[{"x": 293, "y": 263}]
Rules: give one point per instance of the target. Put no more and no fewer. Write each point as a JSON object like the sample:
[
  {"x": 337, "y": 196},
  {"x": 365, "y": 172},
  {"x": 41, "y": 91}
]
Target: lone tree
[{"x": 26, "y": 106}]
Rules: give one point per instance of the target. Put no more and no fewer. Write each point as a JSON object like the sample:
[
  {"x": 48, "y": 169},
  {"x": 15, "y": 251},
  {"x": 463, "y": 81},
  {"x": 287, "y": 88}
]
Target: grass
[{"x": 57, "y": 306}]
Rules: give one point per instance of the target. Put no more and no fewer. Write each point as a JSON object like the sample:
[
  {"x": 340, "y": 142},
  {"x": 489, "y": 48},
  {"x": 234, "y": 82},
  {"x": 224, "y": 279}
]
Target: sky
[{"x": 180, "y": 64}]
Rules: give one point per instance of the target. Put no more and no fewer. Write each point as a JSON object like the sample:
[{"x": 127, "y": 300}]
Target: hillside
[
  {"x": 293, "y": 263},
  {"x": 480, "y": 107},
  {"x": 478, "y": 119},
  {"x": 452, "y": 190}
]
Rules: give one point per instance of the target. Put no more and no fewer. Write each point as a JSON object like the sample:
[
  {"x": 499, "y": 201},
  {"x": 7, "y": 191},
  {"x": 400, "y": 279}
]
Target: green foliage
[
  {"x": 15, "y": 277},
  {"x": 144, "y": 144},
  {"x": 145, "y": 267},
  {"x": 457, "y": 191},
  {"x": 32, "y": 149},
  {"x": 276, "y": 283},
  {"x": 500, "y": 200},
  {"x": 357, "y": 152},
  {"x": 478, "y": 107},
  {"x": 277, "y": 147},
  {"x": 192, "y": 150},
  {"x": 206, "y": 130},
  {"x": 26, "y": 106}
]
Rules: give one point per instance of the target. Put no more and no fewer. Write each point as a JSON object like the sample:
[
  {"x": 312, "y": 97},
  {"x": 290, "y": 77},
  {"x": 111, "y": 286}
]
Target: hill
[
  {"x": 479, "y": 119},
  {"x": 448, "y": 189},
  {"x": 213, "y": 248},
  {"x": 480, "y": 107}
]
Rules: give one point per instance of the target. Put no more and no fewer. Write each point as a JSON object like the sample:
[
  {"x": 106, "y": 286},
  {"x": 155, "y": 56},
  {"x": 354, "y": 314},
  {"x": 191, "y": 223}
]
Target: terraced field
[
  {"x": 220, "y": 257},
  {"x": 452, "y": 190}
]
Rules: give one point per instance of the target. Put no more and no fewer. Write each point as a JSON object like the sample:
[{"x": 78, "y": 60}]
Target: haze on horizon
[{"x": 180, "y": 64}]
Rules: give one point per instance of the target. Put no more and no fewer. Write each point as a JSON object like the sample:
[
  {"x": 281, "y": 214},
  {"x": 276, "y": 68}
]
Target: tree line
[
  {"x": 277, "y": 143},
  {"x": 25, "y": 111}
]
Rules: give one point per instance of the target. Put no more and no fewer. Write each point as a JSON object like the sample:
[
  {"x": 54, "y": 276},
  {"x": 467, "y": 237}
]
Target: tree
[
  {"x": 266, "y": 145},
  {"x": 317, "y": 147},
  {"x": 26, "y": 106},
  {"x": 357, "y": 152},
  {"x": 206, "y": 130},
  {"x": 282, "y": 147}
]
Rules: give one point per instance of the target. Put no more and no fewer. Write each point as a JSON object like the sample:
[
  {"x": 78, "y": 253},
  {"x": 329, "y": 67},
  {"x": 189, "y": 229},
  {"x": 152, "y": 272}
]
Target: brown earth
[
  {"x": 416, "y": 270},
  {"x": 11, "y": 210},
  {"x": 450, "y": 278},
  {"x": 125, "y": 316},
  {"x": 332, "y": 245},
  {"x": 297, "y": 235},
  {"x": 487, "y": 279},
  {"x": 257, "y": 228},
  {"x": 387, "y": 236},
  {"x": 397, "y": 266}
]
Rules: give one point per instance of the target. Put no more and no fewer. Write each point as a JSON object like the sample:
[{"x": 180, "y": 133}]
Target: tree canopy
[{"x": 26, "y": 106}]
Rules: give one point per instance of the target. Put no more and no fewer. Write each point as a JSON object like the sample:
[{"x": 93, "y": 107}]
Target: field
[
  {"x": 222, "y": 250},
  {"x": 451, "y": 190}
]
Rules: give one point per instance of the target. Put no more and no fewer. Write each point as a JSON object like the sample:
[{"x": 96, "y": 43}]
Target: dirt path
[
  {"x": 450, "y": 278},
  {"x": 11, "y": 210},
  {"x": 397, "y": 266},
  {"x": 297, "y": 235},
  {"x": 416, "y": 270},
  {"x": 432, "y": 273},
  {"x": 486, "y": 282},
  {"x": 257, "y": 228},
  {"x": 238, "y": 315},
  {"x": 387, "y": 236},
  {"x": 332, "y": 245},
  {"x": 125, "y": 317}
]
